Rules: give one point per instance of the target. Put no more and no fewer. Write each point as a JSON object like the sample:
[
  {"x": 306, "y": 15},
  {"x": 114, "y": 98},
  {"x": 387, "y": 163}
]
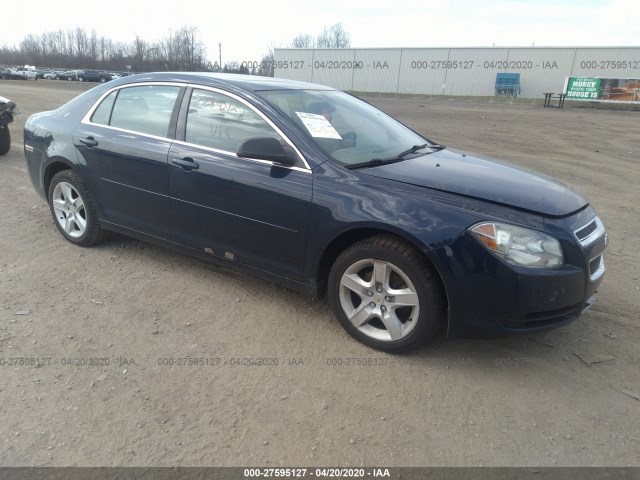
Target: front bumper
[{"x": 487, "y": 294}]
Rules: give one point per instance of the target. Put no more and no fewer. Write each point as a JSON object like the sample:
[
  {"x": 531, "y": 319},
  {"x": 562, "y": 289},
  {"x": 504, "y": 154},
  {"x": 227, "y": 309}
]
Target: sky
[{"x": 246, "y": 29}]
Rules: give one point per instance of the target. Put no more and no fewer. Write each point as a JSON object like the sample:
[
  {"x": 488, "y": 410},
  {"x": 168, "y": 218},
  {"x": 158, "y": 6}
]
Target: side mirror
[{"x": 267, "y": 148}]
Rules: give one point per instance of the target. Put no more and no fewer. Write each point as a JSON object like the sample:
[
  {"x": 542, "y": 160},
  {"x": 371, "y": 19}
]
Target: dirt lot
[{"x": 566, "y": 397}]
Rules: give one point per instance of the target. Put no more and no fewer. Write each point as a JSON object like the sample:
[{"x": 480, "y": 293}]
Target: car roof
[{"x": 246, "y": 82}]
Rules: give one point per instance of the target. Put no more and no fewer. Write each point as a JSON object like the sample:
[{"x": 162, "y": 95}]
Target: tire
[
  {"x": 73, "y": 209},
  {"x": 393, "y": 296},
  {"x": 103, "y": 80},
  {"x": 5, "y": 140},
  {"x": 81, "y": 79}
]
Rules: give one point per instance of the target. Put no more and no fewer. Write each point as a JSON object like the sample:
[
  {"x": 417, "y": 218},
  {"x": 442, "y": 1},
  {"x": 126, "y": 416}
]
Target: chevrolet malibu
[{"x": 316, "y": 190}]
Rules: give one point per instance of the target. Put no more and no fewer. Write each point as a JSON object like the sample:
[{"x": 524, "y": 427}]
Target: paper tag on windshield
[{"x": 318, "y": 126}]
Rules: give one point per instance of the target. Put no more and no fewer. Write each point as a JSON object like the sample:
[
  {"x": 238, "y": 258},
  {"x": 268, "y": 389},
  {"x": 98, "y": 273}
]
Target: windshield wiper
[
  {"x": 374, "y": 163},
  {"x": 415, "y": 148},
  {"x": 398, "y": 158}
]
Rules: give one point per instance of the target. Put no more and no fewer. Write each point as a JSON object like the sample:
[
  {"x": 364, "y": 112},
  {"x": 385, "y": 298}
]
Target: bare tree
[
  {"x": 93, "y": 48},
  {"x": 140, "y": 49},
  {"x": 266, "y": 64},
  {"x": 303, "y": 41},
  {"x": 334, "y": 36},
  {"x": 194, "y": 51},
  {"x": 77, "y": 48},
  {"x": 231, "y": 67},
  {"x": 70, "y": 43},
  {"x": 82, "y": 44},
  {"x": 30, "y": 47}
]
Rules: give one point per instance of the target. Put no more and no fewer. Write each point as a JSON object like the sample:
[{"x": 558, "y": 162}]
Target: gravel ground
[{"x": 568, "y": 397}]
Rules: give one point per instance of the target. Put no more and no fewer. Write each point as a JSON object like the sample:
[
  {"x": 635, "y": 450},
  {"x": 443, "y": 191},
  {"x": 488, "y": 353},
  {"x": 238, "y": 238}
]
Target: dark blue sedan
[{"x": 316, "y": 190}]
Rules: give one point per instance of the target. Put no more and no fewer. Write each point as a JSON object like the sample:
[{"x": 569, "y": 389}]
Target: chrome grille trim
[
  {"x": 600, "y": 271},
  {"x": 594, "y": 234}
]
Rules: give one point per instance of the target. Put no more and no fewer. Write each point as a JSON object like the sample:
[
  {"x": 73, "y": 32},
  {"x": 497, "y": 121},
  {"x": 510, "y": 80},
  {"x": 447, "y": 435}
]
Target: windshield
[{"x": 350, "y": 131}]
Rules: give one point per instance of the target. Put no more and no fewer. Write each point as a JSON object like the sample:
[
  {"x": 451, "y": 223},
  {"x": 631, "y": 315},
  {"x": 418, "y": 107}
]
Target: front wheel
[
  {"x": 386, "y": 295},
  {"x": 73, "y": 209},
  {"x": 5, "y": 139}
]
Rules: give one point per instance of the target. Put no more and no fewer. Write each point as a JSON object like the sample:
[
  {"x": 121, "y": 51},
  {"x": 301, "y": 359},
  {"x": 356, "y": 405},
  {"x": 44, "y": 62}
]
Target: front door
[{"x": 253, "y": 212}]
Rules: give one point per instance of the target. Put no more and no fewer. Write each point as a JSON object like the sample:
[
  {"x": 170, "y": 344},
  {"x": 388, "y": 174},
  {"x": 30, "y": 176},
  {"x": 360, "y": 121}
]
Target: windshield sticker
[{"x": 318, "y": 125}]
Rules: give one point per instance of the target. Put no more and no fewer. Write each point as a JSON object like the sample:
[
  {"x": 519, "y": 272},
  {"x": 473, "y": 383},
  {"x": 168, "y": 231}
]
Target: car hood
[{"x": 485, "y": 179}]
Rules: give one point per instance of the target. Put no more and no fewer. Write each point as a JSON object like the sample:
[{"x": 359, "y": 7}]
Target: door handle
[
  {"x": 89, "y": 142},
  {"x": 186, "y": 163}
]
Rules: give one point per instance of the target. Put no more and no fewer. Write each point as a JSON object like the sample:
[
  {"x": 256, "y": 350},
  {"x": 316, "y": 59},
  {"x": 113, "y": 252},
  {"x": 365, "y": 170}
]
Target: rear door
[{"x": 125, "y": 143}]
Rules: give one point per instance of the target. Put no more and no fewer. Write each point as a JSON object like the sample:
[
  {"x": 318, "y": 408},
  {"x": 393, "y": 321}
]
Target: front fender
[{"x": 345, "y": 201}]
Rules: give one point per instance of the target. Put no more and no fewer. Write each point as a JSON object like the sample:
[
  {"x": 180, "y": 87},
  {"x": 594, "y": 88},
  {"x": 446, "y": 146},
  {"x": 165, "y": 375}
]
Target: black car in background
[
  {"x": 93, "y": 76},
  {"x": 7, "y": 111},
  {"x": 318, "y": 191}
]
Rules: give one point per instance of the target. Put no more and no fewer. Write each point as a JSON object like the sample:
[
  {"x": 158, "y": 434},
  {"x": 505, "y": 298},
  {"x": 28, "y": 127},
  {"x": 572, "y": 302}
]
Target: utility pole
[{"x": 220, "y": 55}]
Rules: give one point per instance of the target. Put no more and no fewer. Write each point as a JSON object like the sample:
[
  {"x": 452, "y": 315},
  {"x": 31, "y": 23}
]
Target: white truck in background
[{"x": 28, "y": 72}]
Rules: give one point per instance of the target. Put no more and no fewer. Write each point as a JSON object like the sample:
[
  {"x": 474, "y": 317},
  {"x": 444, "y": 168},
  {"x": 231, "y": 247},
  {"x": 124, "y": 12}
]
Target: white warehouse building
[{"x": 468, "y": 71}]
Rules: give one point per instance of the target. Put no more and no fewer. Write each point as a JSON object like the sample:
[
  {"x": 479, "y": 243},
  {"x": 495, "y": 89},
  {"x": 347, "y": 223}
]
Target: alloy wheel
[
  {"x": 69, "y": 209},
  {"x": 379, "y": 299}
]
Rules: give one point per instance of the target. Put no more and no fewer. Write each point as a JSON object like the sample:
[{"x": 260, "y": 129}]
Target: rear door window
[{"x": 143, "y": 109}]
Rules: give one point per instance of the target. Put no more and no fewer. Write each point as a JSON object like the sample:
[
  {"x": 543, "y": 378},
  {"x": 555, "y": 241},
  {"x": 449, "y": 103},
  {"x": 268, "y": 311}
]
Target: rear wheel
[
  {"x": 73, "y": 210},
  {"x": 5, "y": 139},
  {"x": 386, "y": 295}
]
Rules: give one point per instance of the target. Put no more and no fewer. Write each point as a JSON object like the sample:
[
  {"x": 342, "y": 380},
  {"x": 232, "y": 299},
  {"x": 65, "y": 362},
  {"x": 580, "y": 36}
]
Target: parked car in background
[
  {"x": 93, "y": 76},
  {"x": 319, "y": 191},
  {"x": 7, "y": 110},
  {"x": 28, "y": 72},
  {"x": 70, "y": 75},
  {"x": 52, "y": 75}
]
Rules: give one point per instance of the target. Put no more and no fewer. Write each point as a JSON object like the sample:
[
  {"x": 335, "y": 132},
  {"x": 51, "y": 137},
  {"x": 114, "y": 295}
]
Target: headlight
[{"x": 520, "y": 246}]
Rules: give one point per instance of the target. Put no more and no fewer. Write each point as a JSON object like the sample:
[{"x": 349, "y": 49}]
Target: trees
[
  {"x": 334, "y": 36},
  {"x": 266, "y": 64},
  {"x": 78, "y": 48},
  {"x": 180, "y": 50},
  {"x": 303, "y": 41}
]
